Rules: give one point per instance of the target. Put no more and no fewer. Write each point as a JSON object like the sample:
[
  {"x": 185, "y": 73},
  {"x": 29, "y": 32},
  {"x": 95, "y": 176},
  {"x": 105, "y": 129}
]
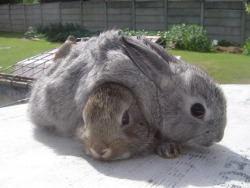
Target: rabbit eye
[
  {"x": 125, "y": 118},
  {"x": 198, "y": 110}
]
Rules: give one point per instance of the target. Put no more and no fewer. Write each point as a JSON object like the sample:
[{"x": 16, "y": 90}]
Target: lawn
[
  {"x": 224, "y": 68},
  {"x": 14, "y": 48}
]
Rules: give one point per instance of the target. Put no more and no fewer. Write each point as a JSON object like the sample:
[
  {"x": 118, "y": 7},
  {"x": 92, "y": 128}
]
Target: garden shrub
[
  {"x": 180, "y": 36},
  {"x": 189, "y": 37},
  {"x": 224, "y": 43},
  {"x": 57, "y": 32},
  {"x": 247, "y": 47}
]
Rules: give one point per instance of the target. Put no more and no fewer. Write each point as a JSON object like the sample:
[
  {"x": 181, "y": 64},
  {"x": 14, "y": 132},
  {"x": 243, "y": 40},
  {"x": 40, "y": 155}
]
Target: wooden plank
[
  {"x": 183, "y": 19},
  {"x": 119, "y": 5},
  {"x": 118, "y": 11},
  {"x": 32, "y": 12},
  {"x": 118, "y": 25},
  {"x": 4, "y": 17},
  {"x": 93, "y": 18},
  {"x": 150, "y": 19},
  {"x": 70, "y": 18},
  {"x": 218, "y": 13},
  {"x": 54, "y": 17},
  {"x": 232, "y": 22},
  {"x": 92, "y": 4},
  {"x": 70, "y": 5},
  {"x": 72, "y": 11},
  {"x": 17, "y": 16},
  {"x": 221, "y": 30},
  {"x": 149, "y": 4},
  {"x": 150, "y": 26},
  {"x": 184, "y": 5},
  {"x": 4, "y": 7},
  {"x": 47, "y": 12},
  {"x": 184, "y": 12},
  {"x": 93, "y": 11},
  {"x": 54, "y": 6},
  {"x": 119, "y": 18},
  {"x": 224, "y": 5},
  {"x": 150, "y": 11}
]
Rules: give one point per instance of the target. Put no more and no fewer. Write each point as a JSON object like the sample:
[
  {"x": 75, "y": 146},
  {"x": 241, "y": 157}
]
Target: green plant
[
  {"x": 224, "y": 43},
  {"x": 58, "y": 32},
  {"x": 247, "y": 8},
  {"x": 32, "y": 33},
  {"x": 189, "y": 37},
  {"x": 247, "y": 47}
]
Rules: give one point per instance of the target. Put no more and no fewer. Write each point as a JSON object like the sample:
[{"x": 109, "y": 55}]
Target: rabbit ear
[
  {"x": 152, "y": 64},
  {"x": 161, "y": 51}
]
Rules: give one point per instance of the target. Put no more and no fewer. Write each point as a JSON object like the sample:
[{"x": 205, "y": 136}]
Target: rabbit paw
[{"x": 169, "y": 150}]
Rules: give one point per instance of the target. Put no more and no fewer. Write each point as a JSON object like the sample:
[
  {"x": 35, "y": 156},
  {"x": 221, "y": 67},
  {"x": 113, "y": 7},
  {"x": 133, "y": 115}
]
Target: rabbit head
[
  {"x": 114, "y": 127},
  {"x": 192, "y": 105}
]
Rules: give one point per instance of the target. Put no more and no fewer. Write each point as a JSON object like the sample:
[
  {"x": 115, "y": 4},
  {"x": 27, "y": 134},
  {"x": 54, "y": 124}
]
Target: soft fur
[
  {"x": 165, "y": 88},
  {"x": 104, "y": 135}
]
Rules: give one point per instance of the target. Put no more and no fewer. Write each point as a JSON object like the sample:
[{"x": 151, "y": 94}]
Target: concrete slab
[{"x": 30, "y": 157}]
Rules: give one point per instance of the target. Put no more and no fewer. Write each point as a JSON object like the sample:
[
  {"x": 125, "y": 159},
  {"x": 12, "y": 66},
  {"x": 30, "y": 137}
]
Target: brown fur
[
  {"x": 65, "y": 48},
  {"x": 103, "y": 129}
]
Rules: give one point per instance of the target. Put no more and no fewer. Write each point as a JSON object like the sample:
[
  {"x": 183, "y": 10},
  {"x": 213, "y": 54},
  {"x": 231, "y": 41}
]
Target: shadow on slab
[{"x": 197, "y": 166}]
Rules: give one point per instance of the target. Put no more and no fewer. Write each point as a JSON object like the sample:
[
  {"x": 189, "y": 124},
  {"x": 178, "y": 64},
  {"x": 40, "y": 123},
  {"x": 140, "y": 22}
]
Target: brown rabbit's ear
[
  {"x": 148, "y": 61},
  {"x": 65, "y": 48}
]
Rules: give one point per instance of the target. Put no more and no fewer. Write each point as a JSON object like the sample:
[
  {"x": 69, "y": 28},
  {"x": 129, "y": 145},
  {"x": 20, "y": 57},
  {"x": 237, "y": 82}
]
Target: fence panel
[{"x": 222, "y": 20}]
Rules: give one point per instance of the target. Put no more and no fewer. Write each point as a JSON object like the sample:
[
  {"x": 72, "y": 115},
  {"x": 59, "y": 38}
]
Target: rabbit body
[{"x": 176, "y": 98}]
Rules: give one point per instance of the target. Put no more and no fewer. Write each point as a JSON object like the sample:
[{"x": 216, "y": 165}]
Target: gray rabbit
[{"x": 176, "y": 98}]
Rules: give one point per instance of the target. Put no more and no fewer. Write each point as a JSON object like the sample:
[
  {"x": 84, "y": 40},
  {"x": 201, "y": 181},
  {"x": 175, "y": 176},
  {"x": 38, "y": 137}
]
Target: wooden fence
[{"x": 223, "y": 20}]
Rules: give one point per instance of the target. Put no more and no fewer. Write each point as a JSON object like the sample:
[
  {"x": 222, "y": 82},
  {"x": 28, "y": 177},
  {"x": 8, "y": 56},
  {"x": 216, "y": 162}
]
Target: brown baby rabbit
[{"x": 114, "y": 126}]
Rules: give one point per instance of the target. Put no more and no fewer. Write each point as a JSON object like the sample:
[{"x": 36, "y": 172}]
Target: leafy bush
[
  {"x": 247, "y": 47},
  {"x": 224, "y": 43},
  {"x": 189, "y": 37},
  {"x": 58, "y": 32},
  {"x": 181, "y": 36},
  {"x": 32, "y": 33}
]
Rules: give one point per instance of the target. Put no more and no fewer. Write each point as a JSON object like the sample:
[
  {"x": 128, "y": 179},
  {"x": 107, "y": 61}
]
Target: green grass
[
  {"x": 222, "y": 67},
  {"x": 14, "y": 48}
]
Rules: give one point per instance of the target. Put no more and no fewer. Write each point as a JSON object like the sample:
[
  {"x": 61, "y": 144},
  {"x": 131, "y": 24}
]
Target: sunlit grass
[
  {"x": 224, "y": 68},
  {"x": 14, "y": 48}
]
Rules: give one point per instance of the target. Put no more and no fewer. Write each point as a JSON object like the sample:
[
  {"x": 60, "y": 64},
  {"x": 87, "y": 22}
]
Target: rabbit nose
[{"x": 101, "y": 153}]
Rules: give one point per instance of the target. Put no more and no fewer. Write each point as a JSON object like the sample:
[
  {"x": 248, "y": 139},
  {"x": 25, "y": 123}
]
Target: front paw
[{"x": 169, "y": 150}]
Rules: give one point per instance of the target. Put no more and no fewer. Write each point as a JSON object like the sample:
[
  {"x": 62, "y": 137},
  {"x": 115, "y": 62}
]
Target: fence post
[
  {"x": 166, "y": 14},
  {"x": 81, "y": 14},
  {"x": 202, "y": 13},
  {"x": 106, "y": 14},
  {"x": 9, "y": 10},
  {"x": 41, "y": 13},
  {"x": 133, "y": 15},
  {"x": 60, "y": 12},
  {"x": 24, "y": 17},
  {"x": 243, "y": 24}
]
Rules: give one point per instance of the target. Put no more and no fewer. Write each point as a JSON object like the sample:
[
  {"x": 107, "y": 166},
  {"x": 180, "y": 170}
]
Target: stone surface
[{"x": 30, "y": 157}]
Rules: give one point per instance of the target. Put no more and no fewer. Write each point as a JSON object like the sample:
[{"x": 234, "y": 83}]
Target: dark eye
[
  {"x": 125, "y": 118},
  {"x": 198, "y": 110}
]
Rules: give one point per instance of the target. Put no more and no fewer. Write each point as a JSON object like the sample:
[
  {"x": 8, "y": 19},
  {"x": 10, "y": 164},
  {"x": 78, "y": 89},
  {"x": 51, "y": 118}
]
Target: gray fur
[{"x": 164, "y": 87}]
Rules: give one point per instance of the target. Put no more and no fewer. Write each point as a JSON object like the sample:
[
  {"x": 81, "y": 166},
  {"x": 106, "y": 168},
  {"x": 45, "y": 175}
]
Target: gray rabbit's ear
[
  {"x": 161, "y": 51},
  {"x": 152, "y": 64}
]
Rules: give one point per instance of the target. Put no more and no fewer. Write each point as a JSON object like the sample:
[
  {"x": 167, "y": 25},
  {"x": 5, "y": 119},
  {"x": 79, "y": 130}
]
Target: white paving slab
[{"x": 30, "y": 157}]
